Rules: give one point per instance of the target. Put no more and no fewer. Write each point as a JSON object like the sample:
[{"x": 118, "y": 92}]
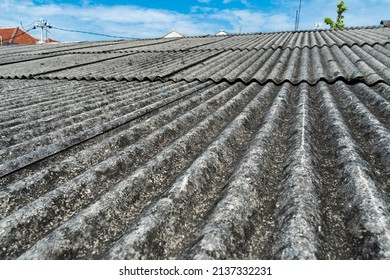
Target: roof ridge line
[
  {"x": 227, "y": 49},
  {"x": 219, "y": 81}
]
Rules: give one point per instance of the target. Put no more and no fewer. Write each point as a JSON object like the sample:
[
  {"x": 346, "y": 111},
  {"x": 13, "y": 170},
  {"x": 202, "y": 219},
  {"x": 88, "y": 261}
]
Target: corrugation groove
[
  {"x": 50, "y": 102},
  {"x": 367, "y": 210},
  {"x": 52, "y": 64},
  {"x": 134, "y": 43},
  {"x": 330, "y": 64},
  {"x": 379, "y": 62},
  {"x": 172, "y": 73},
  {"x": 229, "y": 41},
  {"x": 191, "y": 195},
  {"x": 378, "y": 105},
  {"x": 369, "y": 73},
  {"x": 17, "y": 59},
  {"x": 384, "y": 90},
  {"x": 350, "y": 37},
  {"x": 118, "y": 170},
  {"x": 18, "y": 88},
  {"x": 347, "y": 68},
  {"x": 123, "y": 201},
  {"x": 235, "y": 218},
  {"x": 197, "y": 70},
  {"x": 298, "y": 213},
  {"x": 25, "y": 189},
  {"x": 56, "y": 147},
  {"x": 180, "y": 67},
  {"x": 45, "y": 96},
  {"x": 43, "y": 73},
  {"x": 371, "y": 135},
  {"x": 57, "y": 52},
  {"x": 25, "y": 97},
  {"x": 230, "y": 65},
  {"x": 318, "y": 38},
  {"x": 152, "y": 66},
  {"x": 82, "y": 116}
]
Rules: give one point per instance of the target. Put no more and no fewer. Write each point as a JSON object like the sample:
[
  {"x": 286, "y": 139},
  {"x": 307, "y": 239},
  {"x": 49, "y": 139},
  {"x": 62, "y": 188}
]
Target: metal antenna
[
  {"x": 43, "y": 24},
  {"x": 298, "y": 15}
]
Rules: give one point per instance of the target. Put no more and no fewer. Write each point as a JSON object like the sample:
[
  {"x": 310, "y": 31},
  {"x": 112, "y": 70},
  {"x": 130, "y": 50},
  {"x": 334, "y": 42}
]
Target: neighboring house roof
[
  {"x": 254, "y": 146},
  {"x": 50, "y": 40},
  {"x": 15, "y": 35}
]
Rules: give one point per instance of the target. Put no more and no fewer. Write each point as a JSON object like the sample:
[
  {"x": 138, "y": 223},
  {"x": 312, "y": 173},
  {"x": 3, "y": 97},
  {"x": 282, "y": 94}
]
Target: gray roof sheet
[
  {"x": 256, "y": 146},
  {"x": 350, "y": 55}
]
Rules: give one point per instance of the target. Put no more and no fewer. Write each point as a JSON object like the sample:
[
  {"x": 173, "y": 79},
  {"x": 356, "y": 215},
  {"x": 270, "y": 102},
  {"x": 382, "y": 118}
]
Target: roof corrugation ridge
[
  {"x": 24, "y": 160},
  {"x": 368, "y": 203},
  {"x": 175, "y": 148},
  {"x": 196, "y": 179},
  {"x": 168, "y": 162},
  {"x": 244, "y": 192},
  {"x": 116, "y": 148}
]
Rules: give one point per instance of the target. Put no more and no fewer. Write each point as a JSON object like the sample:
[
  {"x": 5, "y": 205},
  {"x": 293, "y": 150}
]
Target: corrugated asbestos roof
[{"x": 254, "y": 146}]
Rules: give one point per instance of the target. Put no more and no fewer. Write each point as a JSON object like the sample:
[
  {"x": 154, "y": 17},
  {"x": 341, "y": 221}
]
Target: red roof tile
[
  {"x": 15, "y": 35},
  {"x": 50, "y": 40}
]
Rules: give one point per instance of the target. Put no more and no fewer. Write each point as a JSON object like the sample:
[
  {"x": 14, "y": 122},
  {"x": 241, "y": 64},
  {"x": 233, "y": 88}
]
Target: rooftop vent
[
  {"x": 221, "y": 33},
  {"x": 385, "y": 23},
  {"x": 173, "y": 34}
]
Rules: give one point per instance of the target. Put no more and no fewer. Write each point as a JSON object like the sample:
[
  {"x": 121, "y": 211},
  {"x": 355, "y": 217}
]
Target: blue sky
[{"x": 151, "y": 19}]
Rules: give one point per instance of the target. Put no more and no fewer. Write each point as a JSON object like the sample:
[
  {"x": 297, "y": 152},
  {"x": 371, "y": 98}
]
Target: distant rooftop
[
  {"x": 173, "y": 34},
  {"x": 17, "y": 36}
]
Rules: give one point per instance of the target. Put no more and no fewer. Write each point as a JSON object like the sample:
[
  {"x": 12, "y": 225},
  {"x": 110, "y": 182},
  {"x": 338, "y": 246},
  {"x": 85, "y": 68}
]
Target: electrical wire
[
  {"x": 92, "y": 33},
  {"x": 21, "y": 24},
  {"x": 5, "y": 40}
]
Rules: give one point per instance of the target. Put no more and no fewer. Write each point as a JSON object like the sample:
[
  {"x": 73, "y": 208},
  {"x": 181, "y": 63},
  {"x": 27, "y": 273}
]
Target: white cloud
[
  {"x": 204, "y": 1},
  {"x": 129, "y": 21},
  {"x": 248, "y": 21},
  {"x": 244, "y": 2},
  {"x": 196, "y": 9},
  {"x": 135, "y": 21}
]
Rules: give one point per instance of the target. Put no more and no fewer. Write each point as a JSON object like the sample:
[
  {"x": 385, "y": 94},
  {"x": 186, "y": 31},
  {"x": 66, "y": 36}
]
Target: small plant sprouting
[{"x": 341, "y": 8}]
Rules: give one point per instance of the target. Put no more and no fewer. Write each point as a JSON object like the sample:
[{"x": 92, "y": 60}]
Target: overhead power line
[
  {"x": 21, "y": 24},
  {"x": 44, "y": 25},
  {"x": 92, "y": 33}
]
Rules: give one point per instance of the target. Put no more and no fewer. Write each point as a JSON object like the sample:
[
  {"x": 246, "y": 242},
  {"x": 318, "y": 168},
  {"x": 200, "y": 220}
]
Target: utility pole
[{"x": 43, "y": 24}]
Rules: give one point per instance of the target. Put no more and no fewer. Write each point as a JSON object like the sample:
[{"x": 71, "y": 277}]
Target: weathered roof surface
[{"x": 256, "y": 146}]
